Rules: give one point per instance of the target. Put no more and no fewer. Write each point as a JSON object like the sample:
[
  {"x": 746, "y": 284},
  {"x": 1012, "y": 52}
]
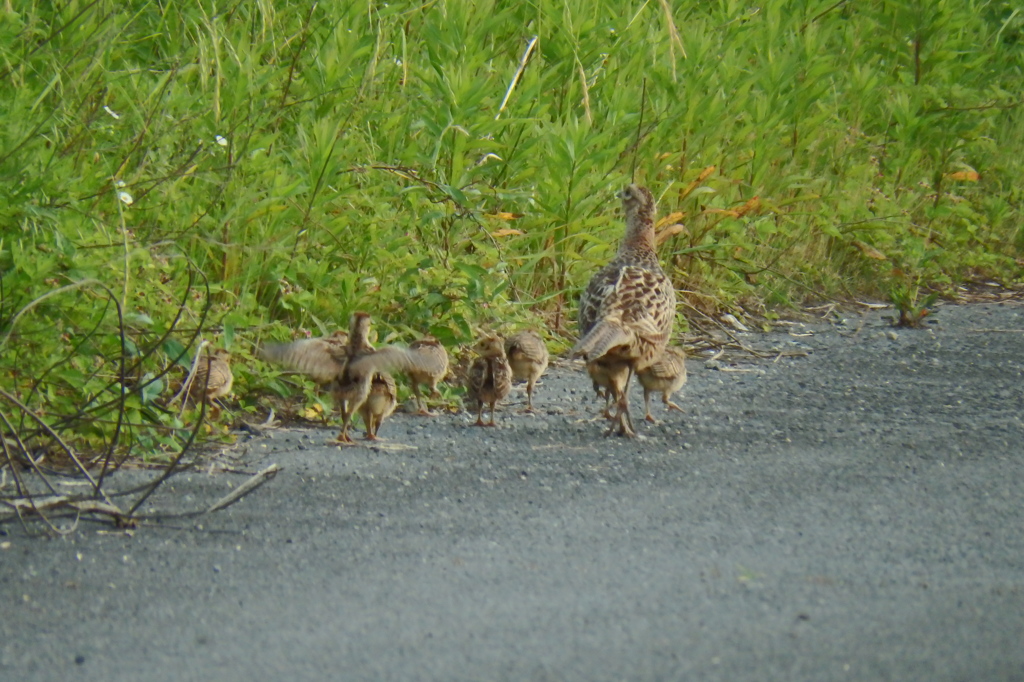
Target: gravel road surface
[{"x": 853, "y": 514}]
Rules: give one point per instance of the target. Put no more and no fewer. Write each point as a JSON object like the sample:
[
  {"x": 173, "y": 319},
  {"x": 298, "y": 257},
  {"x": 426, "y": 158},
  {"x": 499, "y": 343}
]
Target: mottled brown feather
[
  {"x": 213, "y": 378},
  {"x": 379, "y": 404},
  {"x": 352, "y": 385},
  {"x": 528, "y": 358},
  {"x": 666, "y": 375},
  {"x": 490, "y": 377},
  {"x": 627, "y": 311},
  {"x": 425, "y": 361},
  {"x": 331, "y": 362},
  {"x": 610, "y": 377}
]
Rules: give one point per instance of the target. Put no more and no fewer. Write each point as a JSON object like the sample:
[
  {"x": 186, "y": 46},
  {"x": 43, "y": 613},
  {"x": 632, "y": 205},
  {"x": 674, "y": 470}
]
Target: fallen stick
[
  {"x": 41, "y": 504},
  {"x": 255, "y": 481}
]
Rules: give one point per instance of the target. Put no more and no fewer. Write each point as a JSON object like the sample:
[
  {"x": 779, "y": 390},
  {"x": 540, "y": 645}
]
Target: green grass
[{"x": 288, "y": 165}]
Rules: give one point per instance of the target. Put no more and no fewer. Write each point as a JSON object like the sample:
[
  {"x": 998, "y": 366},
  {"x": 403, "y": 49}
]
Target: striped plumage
[
  {"x": 213, "y": 378},
  {"x": 490, "y": 377},
  {"x": 328, "y": 361},
  {"x": 528, "y": 358},
  {"x": 379, "y": 403},
  {"x": 666, "y": 376},
  {"x": 627, "y": 311},
  {"x": 425, "y": 361},
  {"x": 609, "y": 377}
]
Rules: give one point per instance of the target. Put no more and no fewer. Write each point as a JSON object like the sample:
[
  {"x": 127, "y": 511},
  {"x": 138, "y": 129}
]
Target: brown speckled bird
[
  {"x": 425, "y": 361},
  {"x": 352, "y": 385},
  {"x": 490, "y": 377},
  {"x": 628, "y": 308},
  {"x": 609, "y": 377},
  {"x": 528, "y": 357},
  {"x": 337, "y": 365},
  {"x": 379, "y": 403},
  {"x": 667, "y": 375},
  {"x": 212, "y": 378}
]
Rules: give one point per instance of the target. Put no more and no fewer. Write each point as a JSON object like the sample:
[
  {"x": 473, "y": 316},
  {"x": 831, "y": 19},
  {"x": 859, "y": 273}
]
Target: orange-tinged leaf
[
  {"x": 723, "y": 211},
  {"x": 967, "y": 176},
  {"x": 668, "y": 233},
  {"x": 751, "y": 204},
  {"x": 696, "y": 183},
  {"x": 668, "y": 220},
  {"x": 505, "y": 232},
  {"x": 868, "y": 250},
  {"x": 502, "y": 215}
]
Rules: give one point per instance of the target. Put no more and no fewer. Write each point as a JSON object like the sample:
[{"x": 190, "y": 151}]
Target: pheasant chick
[
  {"x": 490, "y": 377},
  {"x": 528, "y": 357},
  {"x": 667, "y": 375}
]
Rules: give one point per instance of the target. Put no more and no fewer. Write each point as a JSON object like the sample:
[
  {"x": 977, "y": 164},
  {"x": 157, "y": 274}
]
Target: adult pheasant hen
[{"x": 628, "y": 309}]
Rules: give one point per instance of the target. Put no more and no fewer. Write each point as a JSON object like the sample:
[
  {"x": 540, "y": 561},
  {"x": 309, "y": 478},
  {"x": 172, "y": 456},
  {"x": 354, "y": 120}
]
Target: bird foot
[
  {"x": 651, "y": 419},
  {"x": 424, "y": 412},
  {"x": 623, "y": 427},
  {"x": 673, "y": 406},
  {"x": 619, "y": 430}
]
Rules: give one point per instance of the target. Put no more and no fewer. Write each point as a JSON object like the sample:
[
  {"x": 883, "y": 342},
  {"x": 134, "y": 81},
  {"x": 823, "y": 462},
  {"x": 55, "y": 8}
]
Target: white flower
[
  {"x": 111, "y": 112},
  {"x": 119, "y": 183},
  {"x": 125, "y": 198},
  {"x": 221, "y": 140}
]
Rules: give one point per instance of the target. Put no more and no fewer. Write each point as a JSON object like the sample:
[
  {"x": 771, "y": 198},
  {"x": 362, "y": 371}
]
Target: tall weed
[{"x": 172, "y": 172}]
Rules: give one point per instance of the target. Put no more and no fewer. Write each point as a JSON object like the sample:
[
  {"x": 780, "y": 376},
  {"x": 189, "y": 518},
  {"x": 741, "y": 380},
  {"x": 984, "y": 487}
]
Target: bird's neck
[
  {"x": 360, "y": 343},
  {"x": 639, "y": 235}
]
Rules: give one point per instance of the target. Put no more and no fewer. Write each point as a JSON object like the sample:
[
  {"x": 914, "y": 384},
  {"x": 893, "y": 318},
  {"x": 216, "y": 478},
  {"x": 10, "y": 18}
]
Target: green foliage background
[{"x": 287, "y": 163}]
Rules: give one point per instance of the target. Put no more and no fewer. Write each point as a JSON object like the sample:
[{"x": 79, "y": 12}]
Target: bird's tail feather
[{"x": 600, "y": 339}]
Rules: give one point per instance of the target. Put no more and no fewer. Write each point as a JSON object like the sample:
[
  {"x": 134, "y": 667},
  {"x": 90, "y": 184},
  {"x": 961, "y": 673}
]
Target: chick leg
[{"x": 647, "y": 407}]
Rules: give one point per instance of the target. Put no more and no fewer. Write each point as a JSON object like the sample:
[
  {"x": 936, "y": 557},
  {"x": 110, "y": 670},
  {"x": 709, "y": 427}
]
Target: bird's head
[
  {"x": 637, "y": 200},
  {"x": 490, "y": 346}
]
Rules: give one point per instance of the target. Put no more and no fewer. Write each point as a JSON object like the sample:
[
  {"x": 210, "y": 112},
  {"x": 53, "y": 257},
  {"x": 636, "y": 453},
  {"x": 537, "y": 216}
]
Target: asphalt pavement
[{"x": 848, "y": 507}]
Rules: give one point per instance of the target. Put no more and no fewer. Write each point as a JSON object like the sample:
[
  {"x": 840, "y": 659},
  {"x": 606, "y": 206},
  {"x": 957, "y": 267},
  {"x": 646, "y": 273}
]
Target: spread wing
[{"x": 321, "y": 359}]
